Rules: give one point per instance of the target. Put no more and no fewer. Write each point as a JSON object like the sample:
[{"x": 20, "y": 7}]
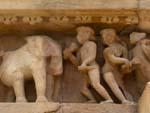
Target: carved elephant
[{"x": 30, "y": 61}]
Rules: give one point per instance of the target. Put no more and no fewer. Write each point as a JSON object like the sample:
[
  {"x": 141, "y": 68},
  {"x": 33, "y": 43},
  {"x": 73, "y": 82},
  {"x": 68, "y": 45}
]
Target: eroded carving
[
  {"x": 8, "y": 19},
  {"x": 72, "y": 19},
  {"x": 116, "y": 57},
  {"x": 32, "y": 20},
  {"x": 30, "y": 61},
  {"x": 87, "y": 54},
  {"x": 140, "y": 58}
]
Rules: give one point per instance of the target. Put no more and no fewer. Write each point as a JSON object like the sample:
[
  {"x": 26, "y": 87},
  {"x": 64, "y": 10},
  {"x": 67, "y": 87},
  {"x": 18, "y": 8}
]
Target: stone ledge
[
  {"x": 98, "y": 108},
  {"x": 65, "y": 108},
  {"x": 29, "y": 107},
  {"x": 68, "y": 14},
  {"x": 68, "y": 11}
]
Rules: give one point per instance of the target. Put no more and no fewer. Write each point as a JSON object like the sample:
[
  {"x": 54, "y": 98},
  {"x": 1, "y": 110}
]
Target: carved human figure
[
  {"x": 115, "y": 56},
  {"x": 87, "y": 50},
  {"x": 140, "y": 55},
  {"x": 29, "y": 62}
]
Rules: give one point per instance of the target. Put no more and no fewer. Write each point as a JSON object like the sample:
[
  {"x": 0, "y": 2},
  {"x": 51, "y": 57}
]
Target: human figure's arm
[
  {"x": 135, "y": 61},
  {"x": 68, "y": 54},
  {"x": 90, "y": 58},
  {"x": 92, "y": 49},
  {"x": 125, "y": 53},
  {"x": 114, "y": 59}
]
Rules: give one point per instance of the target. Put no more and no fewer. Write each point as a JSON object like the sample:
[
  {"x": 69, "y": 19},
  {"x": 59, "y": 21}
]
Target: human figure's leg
[
  {"x": 85, "y": 90},
  {"x": 94, "y": 76},
  {"x": 110, "y": 80}
]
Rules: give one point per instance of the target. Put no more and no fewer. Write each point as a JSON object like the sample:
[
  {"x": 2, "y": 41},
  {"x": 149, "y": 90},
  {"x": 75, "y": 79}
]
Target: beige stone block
[
  {"x": 65, "y": 108},
  {"x": 98, "y": 108},
  {"x": 29, "y": 107},
  {"x": 144, "y": 4},
  {"x": 144, "y": 15},
  {"x": 67, "y": 4}
]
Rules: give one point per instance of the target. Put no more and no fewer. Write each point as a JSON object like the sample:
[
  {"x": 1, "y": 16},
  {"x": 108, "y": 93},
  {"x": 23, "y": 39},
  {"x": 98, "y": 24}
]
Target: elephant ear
[
  {"x": 33, "y": 45},
  {"x": 41, "y": 46},
  {"x": 49, "y": 47}
]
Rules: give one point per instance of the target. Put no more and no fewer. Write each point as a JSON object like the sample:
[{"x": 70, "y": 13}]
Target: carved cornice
[{"x": 69, "y": 16}]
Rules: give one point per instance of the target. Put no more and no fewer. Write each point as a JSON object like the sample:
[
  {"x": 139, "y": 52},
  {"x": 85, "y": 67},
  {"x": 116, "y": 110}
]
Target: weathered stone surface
[
  {"x": 98, "y": 108},
  {"x": 143, "y": 12},
  {"x": 66, "y": 14},
  {"x": 66, "y": 4},
  {"x": 29, "y": 107},
  {"x": 144, "y": 4},
  {"x": 72, "y": 84},
  {"x": 143, "y": 105},
  {"x": 65, "y": 108}
]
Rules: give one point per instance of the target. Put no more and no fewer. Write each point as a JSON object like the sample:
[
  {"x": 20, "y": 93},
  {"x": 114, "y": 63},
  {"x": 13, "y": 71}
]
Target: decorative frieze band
[{"x": 108, "y": 19}]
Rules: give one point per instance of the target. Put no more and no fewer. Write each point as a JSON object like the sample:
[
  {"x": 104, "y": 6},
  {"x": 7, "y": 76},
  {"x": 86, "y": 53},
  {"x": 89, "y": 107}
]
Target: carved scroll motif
[{"x": 108, "y": 19}]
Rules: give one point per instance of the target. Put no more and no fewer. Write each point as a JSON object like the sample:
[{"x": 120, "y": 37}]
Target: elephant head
[{"x": 44, "y": 46}]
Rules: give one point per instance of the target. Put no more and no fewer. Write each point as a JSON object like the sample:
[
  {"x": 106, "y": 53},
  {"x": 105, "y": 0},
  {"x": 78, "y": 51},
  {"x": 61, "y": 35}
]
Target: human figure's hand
[
  {"x": 136, "y": 61},
  {"x": 126, "y": 67},
  {"x": 85, "y": 68},
  {"x": 66, "y": 53},
  {"x": 127, "y": 63}
]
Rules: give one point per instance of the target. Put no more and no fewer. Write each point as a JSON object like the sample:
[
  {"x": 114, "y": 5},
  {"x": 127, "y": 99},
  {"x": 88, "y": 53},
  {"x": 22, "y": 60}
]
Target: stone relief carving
[
  {"x": 32, "y": 20},
  {"x": 8, "y": 19},
  {"x": 109, "y": 19},
  {"x": 116, "y": 56},
  {"x": 140, "y": 58},
  {"x": 87, "y": 53},
  {"x": 140, "y": 64},
  {"x": 29, "y": 62}
]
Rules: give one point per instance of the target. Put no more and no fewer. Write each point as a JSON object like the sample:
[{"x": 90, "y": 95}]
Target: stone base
[
  {"x": 29, "y": 107},
  {"x": 65, "y": 108},
  {"x": 98, "y": 108}
]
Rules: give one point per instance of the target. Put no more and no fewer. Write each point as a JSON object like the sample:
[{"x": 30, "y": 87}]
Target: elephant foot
[
  {"x": 21, "y": 99},
  {"x": 41, "y": 99}
]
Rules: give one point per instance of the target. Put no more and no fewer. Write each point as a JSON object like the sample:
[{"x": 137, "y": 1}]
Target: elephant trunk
[{"x": 56, "y": 65}]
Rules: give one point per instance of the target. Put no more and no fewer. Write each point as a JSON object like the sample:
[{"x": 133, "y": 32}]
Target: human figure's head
[
  {"x": 109, "y": 36},
  {"x": 84, "y": 34},
  {"x": 136, "y": 37}
]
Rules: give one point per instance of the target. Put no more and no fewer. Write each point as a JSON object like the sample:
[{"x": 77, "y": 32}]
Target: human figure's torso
[
  {"x": 85, "y": 52},
  {"x": 115, "y": 49}
]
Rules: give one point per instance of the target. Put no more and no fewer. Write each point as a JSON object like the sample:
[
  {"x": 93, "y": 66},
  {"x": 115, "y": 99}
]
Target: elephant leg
[
  {"x": 19, "y": 87},
  {"x": 50, "y": 87},
  {"x": 39, "y": 75}
]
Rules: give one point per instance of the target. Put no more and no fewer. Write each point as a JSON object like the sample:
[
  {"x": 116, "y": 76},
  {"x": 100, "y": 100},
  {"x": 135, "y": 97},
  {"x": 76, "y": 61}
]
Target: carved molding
[
  {"x": 8, "y": 19},
  {"x": 109, "y": 19}
]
